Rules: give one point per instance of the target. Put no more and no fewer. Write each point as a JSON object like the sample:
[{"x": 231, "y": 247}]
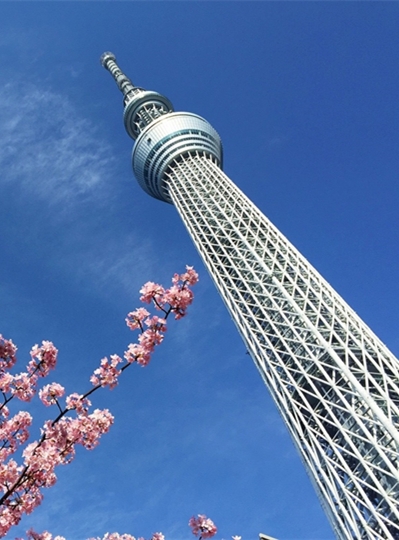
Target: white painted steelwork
[{"x": 334, "y": 382}]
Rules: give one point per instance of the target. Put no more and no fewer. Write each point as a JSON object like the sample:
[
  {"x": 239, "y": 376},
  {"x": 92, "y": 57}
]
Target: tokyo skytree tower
[{"x": 334, "y": 382}]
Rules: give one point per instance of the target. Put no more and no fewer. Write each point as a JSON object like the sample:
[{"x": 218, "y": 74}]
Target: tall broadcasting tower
[{"x": 334, "y": 382}]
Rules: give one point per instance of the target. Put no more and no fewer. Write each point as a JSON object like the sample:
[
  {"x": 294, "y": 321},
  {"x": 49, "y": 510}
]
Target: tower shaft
[{"x": 334, "y": 382}]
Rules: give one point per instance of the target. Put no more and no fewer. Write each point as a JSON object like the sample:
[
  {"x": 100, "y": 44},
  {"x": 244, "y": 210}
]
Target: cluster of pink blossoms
[
  {"x": 21, "y": 484},
  {"x": 107, "y": 374},
  {"x": 116, "y": 536},
  {"x": 49, "y": 393},
  {"x": 202, "y": 526},
  {"x": 178, "y": 297},
  {"x": 23, "y": 385},
  {"x": 32, "y": 535},
  {"x": 7, "y": 354}
]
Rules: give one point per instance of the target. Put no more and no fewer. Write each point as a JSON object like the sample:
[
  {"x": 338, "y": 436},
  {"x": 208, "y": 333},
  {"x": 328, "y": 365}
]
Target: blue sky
[{"x": 305, "y": 98}]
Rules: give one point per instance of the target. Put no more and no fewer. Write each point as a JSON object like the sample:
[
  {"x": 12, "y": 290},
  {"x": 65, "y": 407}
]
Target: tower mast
[{"x": 334, "y": 382}]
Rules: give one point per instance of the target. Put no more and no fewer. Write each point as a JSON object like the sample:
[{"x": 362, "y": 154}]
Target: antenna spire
[
  {"x": 142, "y": 107},
  {"x": 125, "y": 85}
]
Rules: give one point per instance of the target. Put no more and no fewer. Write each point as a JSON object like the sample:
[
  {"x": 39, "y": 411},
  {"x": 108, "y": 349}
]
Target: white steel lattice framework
[{"x": 334, "y": 382}]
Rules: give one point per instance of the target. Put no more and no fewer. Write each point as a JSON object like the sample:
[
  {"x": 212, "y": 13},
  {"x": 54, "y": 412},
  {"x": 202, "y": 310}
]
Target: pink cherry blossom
[
  {"x": 115, "y": 536},
  {"x": 14, "y": 432},
  {"x": 190, "y": 277},
  {"x": 41, "y": 461},
  {"x": 7, "y": 519},
  {"x": 32, "y": 535},
  {"x": 49, "y": 393},
  {"x": 179, "y": 299},
  {"x": 6, "y": 380},
  {"x": 107, "y": 374},
  {"x": 135, "y": 319},
  {"x": 151, "y": 291},
  {"x": 44, "y": 359},
  {"x": 137, "y": 353},
  {"x": 91, "y": 427},
  {"x": 156, "y": 323},
  {"x": 202, "y": 526},
  {"x": 24, "y": 386},
  {"x": 78, "y": 403},
  {"x": 7, "y": 353},
  {"x": 150, "y": 338},
  {"x": 4, "y": 412}
]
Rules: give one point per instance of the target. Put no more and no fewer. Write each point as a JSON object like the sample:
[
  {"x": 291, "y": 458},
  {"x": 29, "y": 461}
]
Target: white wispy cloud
[
  {"x": 48, "y": 148},
  {"x": 53, "y": 158}
]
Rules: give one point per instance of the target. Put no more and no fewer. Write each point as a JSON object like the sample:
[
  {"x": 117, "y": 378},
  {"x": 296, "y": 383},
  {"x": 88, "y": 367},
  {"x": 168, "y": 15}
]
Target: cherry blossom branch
[{"x": 21, "y": 485}]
